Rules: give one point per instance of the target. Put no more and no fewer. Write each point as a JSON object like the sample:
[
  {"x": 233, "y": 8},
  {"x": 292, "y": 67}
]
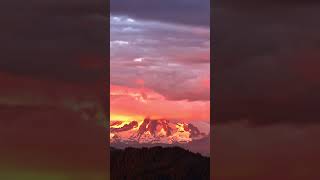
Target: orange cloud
[{"x": 138, "y": 103}]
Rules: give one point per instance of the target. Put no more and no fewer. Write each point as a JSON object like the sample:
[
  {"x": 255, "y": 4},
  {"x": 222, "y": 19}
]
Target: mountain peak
[{"x": 154, "y": 131}]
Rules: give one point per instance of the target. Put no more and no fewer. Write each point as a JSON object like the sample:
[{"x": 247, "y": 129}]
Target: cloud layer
[
  {"x": 176, "y": 11},
  {"x": 170, "y": 59},
  {"x": 265, "y": 61},
  {"x": 52, "y": 76}
]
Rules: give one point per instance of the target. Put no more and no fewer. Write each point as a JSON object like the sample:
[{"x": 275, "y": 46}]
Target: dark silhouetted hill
[{"x": 158, "y": 163}]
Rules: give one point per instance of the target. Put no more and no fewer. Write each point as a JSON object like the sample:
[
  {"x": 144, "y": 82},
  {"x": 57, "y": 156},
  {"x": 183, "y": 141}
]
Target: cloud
[
  {"x": 141, "y": 102},
  {"x": 264, "y": 63},
  {"x": 292, "y": 148},
  {"x": 175, "y": 11},
  {"x": 51, "y": 40},
  {"x": 171, "y": 59}
]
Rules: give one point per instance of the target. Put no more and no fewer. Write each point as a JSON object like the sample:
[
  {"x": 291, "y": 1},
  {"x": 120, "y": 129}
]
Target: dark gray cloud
[
  {"x": 52, "y": 72},
  {"x": 54, "y": 39},
  {"x": 289, "y": 152},
  {"x": 174, "y": 11},
  {"x": 265, "y": 61}
]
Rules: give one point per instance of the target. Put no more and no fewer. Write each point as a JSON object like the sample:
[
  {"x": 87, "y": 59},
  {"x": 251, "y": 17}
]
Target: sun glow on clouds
[
  {"x": 135, "y": 104},
  {"x": 141, "y": 94},
  {"x": 158, "y": 70}
]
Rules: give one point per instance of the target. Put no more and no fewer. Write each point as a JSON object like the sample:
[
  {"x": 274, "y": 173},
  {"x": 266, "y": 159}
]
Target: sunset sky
[
  {"x": 266, "y": 90},
  {"x": 159, "y": 61},
  {"x": 53, "y": 79},
  {"x": 52, "y": 75}
]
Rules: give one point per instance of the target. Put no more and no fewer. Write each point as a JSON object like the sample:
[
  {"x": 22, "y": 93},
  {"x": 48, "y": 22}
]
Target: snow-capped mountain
[{"x": 157, "y": 131}]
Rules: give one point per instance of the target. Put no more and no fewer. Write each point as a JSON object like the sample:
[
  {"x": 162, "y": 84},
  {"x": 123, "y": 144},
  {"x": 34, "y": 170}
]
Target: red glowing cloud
[{"x": 145, "y": 102}]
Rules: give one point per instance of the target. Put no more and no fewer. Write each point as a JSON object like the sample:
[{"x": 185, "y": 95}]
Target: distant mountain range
[
  {"x": 158, "y": 163},
  {"x": 161, "y": 132}
]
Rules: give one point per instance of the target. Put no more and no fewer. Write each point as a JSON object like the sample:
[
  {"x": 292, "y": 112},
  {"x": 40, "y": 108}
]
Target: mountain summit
[{"x": 154, "y": 131}]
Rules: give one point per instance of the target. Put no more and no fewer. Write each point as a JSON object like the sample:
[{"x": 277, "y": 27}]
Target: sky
[
  {"x": 266, "y": 79},
  {"x": 52, "y": 76},
  {"x": 266, "y": 85},
  {"x": 160, "y": 60}
]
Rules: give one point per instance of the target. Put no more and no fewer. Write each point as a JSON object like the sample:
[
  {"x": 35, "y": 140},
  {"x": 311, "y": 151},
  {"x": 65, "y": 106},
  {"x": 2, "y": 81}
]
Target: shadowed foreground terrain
[{"x": 158, "y": 163}]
